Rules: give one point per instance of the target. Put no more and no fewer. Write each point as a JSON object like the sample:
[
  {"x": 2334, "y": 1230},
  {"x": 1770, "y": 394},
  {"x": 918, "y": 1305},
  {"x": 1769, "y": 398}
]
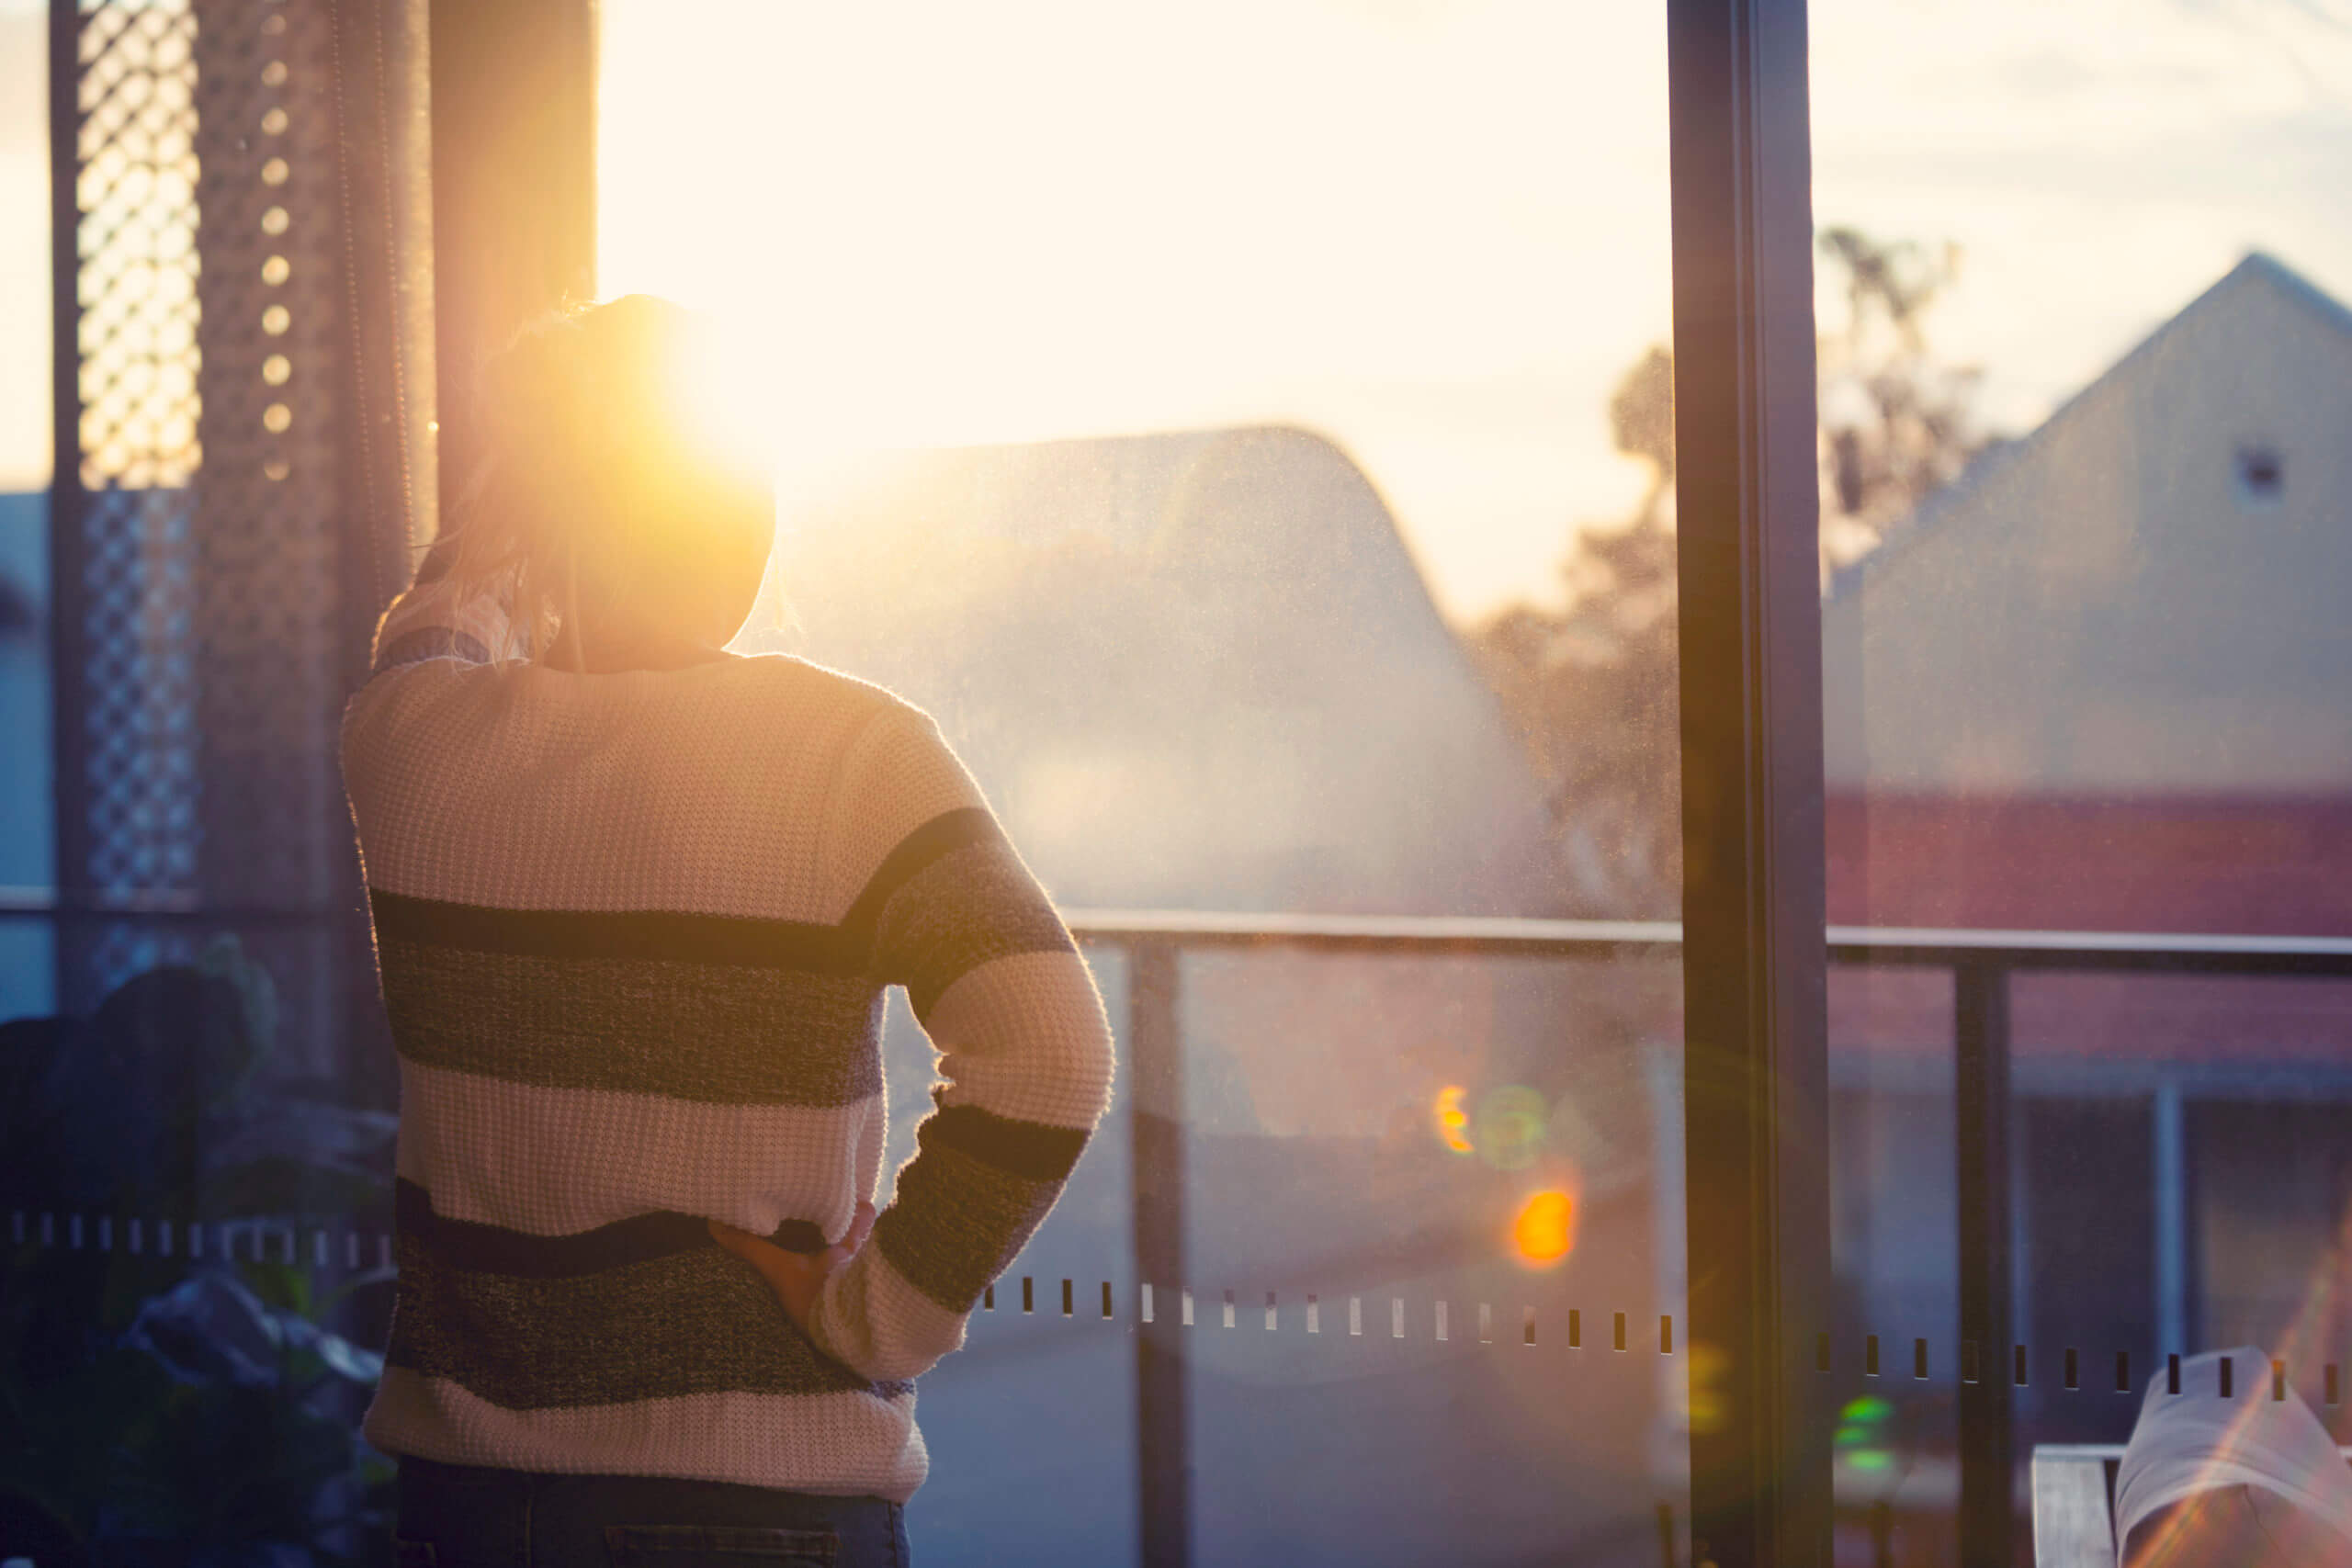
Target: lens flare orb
[
  {"x": 1709, "y": 1406},
  {"x": 1545, "y": 1231},
  {"x": 1453, "y": 1122},
  {"x": 1510, "y": 1126}
]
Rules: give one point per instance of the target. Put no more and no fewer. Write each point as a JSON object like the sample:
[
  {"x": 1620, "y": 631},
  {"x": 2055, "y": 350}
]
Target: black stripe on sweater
[
  {"x": 1031, "y": 1150},
  {"x": 710, "y": 1033},
  {"x": 969, "y": 907},
  {"x": 475, "y": 1247},
  {"x": 941, "y": 836},
  {"x": 968, "y": 1203},
  {"x": 958, "y": 1223},
  {"x": 696, "y": 1322}
]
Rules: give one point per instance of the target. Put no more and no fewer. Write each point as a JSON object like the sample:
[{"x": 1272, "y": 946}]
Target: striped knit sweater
[{"x": 634, "y": 932}]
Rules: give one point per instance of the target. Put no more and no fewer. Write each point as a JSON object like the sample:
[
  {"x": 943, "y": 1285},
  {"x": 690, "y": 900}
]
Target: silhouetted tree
[
  {"x": 1591, "y": 688},
  {"x": 1895, "y": 424}
]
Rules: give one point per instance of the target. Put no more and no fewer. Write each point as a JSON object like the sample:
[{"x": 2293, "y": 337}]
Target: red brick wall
[
  {"x": 2233, "y": 867},
  {"x": 2243, "y": 868}
]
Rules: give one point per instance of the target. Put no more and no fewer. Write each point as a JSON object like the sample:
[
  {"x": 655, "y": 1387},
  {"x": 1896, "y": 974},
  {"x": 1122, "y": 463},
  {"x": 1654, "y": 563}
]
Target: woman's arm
[
  {"x": 435, "y": 618},
  {"x": 1026, "y": 1056}
]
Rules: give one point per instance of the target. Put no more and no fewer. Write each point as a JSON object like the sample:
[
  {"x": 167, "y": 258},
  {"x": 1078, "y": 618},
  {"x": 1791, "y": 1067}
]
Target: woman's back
[{"x": 634, "y": 931}]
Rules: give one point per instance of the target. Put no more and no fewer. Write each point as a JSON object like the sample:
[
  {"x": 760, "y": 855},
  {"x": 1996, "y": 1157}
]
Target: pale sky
[{"x": 1435, "y": 231}]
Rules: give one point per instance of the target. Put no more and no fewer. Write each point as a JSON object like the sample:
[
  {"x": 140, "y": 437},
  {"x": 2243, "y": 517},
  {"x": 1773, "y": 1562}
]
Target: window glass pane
[
  {"x": 1247, "y": 429},
  {"x": 27, "y": 852},
  {"x": 1195, "y": 410},
  {"x": 27, "y": 948},
  {"x": 2086, "y": 361},
  {"x": 25, "y": 844},
  {"x": 28, "y": 968}
]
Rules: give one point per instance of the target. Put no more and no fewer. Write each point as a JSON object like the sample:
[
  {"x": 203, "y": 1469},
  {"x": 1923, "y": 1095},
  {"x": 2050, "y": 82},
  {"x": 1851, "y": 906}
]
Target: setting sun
[
  {"x": 979, "y": 225},
  {"x": 727, "y": 388}
]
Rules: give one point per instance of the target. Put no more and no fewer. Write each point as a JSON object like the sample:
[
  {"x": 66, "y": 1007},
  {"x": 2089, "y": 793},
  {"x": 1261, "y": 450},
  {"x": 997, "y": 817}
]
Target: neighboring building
[
  {"x": 1191, "y": 670},
  {"x": 2105, "y": 682}
]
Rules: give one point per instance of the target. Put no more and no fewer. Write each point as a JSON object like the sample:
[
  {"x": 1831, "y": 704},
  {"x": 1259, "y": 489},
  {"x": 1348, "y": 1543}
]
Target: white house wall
[{"x": 2101, "y": 610}]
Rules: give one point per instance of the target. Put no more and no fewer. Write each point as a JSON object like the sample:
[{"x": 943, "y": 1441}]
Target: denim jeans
[{"x": 457, "y": 1516}]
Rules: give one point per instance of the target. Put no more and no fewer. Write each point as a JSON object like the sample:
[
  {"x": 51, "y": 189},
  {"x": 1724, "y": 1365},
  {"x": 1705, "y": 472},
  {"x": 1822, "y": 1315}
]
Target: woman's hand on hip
[{"x": 796, "y": 1278}]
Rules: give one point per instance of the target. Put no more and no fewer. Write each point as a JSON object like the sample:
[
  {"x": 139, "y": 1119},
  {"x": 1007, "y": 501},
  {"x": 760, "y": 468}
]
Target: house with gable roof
[
  {"x": 1194, "y": 671},
  {"x": 2104, "y": 682}
]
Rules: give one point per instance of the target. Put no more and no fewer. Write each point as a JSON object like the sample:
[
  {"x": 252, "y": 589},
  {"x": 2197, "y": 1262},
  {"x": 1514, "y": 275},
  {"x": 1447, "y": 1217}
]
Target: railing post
[
  {"x": 1156, "y": 1101},
  {"x": 1981, "y": 1121},
  {"x": 2169, "y": 1116}
]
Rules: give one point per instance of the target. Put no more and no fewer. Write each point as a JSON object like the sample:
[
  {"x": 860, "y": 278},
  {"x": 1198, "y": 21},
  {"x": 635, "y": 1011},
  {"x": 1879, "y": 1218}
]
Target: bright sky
[
  {"x": 1435, "y": 229},
  {"x": 24, "y": 245}
]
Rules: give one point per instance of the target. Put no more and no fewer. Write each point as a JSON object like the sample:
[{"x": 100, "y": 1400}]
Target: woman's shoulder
[{"x": 788, "y": 679}]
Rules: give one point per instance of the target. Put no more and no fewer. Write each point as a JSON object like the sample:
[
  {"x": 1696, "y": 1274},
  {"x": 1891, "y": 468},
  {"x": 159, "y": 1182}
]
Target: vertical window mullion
[{"x": 1748, "y": 518}]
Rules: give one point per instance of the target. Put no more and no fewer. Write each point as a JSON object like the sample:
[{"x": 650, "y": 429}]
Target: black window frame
[
  {"x": 1754, "y": 909},
  {"x": 1754, "y": 1075}
]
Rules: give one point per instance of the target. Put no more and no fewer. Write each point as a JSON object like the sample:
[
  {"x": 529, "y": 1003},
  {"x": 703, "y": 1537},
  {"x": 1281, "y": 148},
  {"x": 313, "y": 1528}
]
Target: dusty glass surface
[
  {"x": 1247, "y": 429},
  {"x": 2085, "y": 539}
]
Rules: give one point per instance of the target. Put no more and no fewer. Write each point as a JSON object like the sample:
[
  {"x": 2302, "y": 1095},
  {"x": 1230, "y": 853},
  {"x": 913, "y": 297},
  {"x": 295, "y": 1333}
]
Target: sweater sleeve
[
  {"x": 430, "y": 619},
  {"x": 953, "y": 914}
]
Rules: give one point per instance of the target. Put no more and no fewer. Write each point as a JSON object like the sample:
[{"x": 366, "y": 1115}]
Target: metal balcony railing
[{"x": 1981, "y": 962}]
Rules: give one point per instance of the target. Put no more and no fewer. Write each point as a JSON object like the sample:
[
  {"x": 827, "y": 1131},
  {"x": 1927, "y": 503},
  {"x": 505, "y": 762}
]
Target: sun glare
[
  {"x": 727, "y": 388},
  {"x": 1346, "y": 241}
]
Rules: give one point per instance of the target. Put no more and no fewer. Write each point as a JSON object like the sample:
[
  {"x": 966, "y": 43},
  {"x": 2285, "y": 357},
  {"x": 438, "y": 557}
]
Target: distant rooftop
[{"x": 1191, "y": 670}]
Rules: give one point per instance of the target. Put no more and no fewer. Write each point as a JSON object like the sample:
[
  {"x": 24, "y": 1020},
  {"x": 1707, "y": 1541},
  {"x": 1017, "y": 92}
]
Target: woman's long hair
[{"x": 587, "y": 487}]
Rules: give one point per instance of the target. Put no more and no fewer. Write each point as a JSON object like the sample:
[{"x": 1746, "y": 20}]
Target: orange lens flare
[
  {"x": 1453, "y": 1122},
  {"x": 1545, "y": 1231}
]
